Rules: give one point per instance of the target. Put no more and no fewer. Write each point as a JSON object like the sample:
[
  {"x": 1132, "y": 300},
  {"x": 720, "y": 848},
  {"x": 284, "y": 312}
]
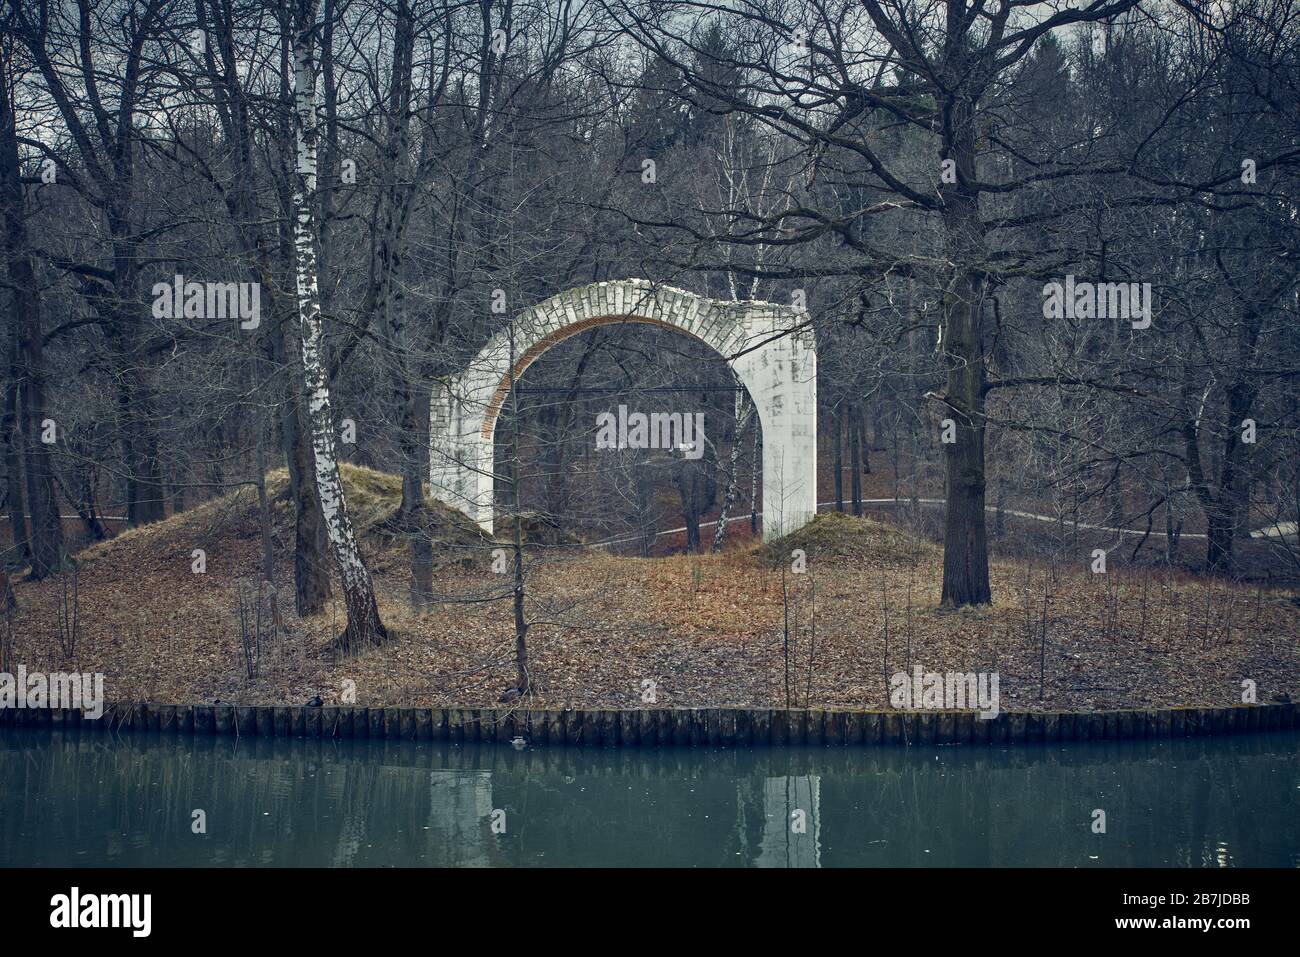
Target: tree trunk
[
  {"x": 837, "y": 423},
  {"x": 411, "y": 442},
  {"x": 1220, "y": 502},
  {"x": 1231, "y": 505},
  {"x": 855, "y": 459},
  {"x": 364, "y": 627},
  {"x": 391, "y": 289},
  {"x": 412, "y": 506},
  {"x": 268, "y": 550},
  {"x": 311, "y": 544},
  {"x": 698, "y": 490},
  {"x": 965, "y": 549},
  {"x": 523, "y": 679},
  {"x": 8, "y": 601},
  {"x": 310, "y": 574},
  {"x": 965, "y": 557},
  {"x": 145, "y": 494},
  {"x": 266, "y": 527},
  {"x": 85, "y": 504},
  {"x": 744, "y": 416},
  {"x": 866, "y": 444},
  {"x": 15, "y": 495},
  {"x": 1219, "y": 554},
  {"x": 45, "y": 542}
]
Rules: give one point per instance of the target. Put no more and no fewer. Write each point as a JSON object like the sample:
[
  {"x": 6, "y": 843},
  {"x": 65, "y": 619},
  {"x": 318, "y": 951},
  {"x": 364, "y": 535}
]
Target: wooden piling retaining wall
[{"x": 693, "y": 727}]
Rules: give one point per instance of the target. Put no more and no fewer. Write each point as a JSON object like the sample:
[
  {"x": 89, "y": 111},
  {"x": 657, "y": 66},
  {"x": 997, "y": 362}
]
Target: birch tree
[
  {"x": 264, "y": 240},
  {"x": 364, "y": 626}
]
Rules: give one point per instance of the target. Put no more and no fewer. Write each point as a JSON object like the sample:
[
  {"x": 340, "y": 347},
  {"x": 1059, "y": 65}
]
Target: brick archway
[{"x": 779, "y": 370}]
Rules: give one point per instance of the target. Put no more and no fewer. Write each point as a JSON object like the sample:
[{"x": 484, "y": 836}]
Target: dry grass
[{"x": 708, "y": 630}]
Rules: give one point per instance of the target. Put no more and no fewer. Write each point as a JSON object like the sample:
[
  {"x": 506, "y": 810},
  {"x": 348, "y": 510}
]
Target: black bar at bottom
[{"x": 319, "y": 910}]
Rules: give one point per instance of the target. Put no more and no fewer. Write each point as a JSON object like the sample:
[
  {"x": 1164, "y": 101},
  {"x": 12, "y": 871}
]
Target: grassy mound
[
  {"x": 836, "y": 536},
  {"x": 372, "y": 498}
]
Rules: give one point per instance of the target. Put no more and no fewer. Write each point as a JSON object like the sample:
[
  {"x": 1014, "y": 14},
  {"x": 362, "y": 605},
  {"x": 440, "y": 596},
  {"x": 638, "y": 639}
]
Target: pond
[{"x": 96, "y": 798}]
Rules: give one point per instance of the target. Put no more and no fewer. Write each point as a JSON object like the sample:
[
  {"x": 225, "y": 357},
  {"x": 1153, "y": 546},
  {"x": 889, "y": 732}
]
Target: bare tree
[{"x": 364, "y": 627}]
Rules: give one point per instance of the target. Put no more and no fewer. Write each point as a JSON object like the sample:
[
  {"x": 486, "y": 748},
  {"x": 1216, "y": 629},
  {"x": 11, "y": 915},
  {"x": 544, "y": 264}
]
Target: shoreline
[{"x": 668, "y": 727}]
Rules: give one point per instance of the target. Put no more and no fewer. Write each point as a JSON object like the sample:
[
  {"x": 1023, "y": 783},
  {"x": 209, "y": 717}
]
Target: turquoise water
[{"x": 96, "y": 798}]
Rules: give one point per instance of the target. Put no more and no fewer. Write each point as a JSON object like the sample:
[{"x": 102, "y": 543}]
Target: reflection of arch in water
[
  {"x": 763, "y": 343},
  {"x": 460, "y": 805},
  {"x": 783, "y": 843}
]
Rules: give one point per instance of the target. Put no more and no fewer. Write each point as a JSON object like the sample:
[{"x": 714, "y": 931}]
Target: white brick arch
[{"x": 779, "y": 370}]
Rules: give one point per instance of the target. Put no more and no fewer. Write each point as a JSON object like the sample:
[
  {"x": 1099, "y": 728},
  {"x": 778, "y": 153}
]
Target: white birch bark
[{"x": 364, "y": 626}]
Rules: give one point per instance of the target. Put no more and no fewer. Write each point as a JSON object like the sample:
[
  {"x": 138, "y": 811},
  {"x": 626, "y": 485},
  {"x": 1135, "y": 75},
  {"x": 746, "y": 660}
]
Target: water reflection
[{"x": 95, "y": 798}]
